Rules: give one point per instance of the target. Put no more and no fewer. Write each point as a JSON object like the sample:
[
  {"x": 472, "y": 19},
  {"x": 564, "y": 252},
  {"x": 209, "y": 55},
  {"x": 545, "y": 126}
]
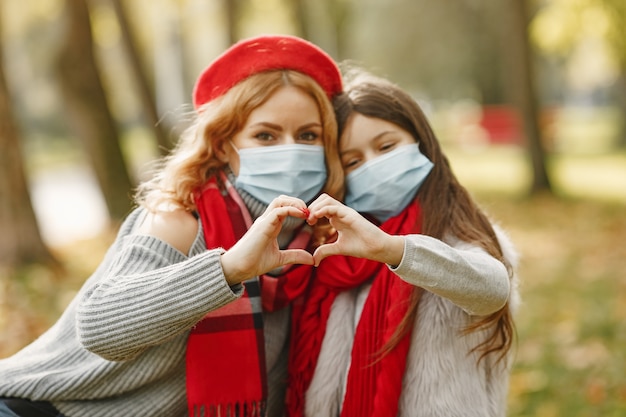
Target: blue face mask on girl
[
  {"x": 384, "y": 186},
  {"x": 269, "y": 171}
]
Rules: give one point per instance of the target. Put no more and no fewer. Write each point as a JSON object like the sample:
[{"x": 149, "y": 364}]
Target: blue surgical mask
[
  {"x": 384, "y": 186},
  {"x": 269, "y": 171}
]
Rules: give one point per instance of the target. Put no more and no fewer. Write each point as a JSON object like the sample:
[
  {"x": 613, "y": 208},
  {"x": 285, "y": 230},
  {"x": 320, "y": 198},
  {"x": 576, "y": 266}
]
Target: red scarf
[
  {"x": 374, "y": 380},
  {"x": 225, "y": 358}
]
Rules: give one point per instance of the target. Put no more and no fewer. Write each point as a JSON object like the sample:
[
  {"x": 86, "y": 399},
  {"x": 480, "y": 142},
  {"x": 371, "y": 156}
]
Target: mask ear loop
[
  {"x": 233, "y": 145},
  {"x": 230, "y": 141}
]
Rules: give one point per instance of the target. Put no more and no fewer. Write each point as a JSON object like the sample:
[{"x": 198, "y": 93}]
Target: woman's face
[
  {"x": 365, "y": 138},
  {"x": 288, "y": 117}
]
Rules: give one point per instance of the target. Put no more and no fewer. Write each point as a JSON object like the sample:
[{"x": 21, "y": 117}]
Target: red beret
[{"x": 265, "y": 53}]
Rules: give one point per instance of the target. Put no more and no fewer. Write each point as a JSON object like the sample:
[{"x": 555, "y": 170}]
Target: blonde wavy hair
[{"x": 194, "y": 161}]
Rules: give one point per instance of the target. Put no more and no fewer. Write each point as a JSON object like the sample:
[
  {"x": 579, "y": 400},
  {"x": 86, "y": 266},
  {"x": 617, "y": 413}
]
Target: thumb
[
  {"x": 296, "y": 256},
  {"x": 324, "y": 251}
]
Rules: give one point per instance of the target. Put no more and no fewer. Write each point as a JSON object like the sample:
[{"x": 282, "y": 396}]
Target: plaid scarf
[
  {"x": 225, "y": 357},
  {"x": 374, "y": 381}
]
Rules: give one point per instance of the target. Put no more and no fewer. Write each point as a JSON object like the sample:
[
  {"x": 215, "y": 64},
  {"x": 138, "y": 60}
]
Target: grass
[{"x": 570, "y": 357}]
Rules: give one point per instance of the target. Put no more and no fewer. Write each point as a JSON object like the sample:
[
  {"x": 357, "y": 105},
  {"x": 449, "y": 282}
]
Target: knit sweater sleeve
[
  {"x": 463, "y": 273},
  {"x": 148, "y": 294}
]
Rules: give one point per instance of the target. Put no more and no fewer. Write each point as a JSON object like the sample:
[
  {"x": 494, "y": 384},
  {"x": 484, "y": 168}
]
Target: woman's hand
[
  {"x": 257, "y": 252},
  {"x": 356, "y": 236}
]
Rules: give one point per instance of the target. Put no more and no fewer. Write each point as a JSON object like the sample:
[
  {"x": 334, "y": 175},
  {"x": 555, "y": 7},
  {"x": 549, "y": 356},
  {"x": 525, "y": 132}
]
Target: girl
[
  {"x": 421, "y": 325},
  {"x": 164, "y": 327}
]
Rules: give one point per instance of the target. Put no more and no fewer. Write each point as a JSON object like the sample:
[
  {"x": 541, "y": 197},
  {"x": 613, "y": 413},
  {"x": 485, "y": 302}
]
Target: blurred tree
[
  {"x": 87, "y": 110},
  {"x": 145, "y": 90},
  {"x": 517, "y": 49},
  {"x": 443, "y": 50},
  {"x": 616, "y": 10},
  {"x": 486, "y": 62},
  {"x": 340, "y": 13},
  {"x": 301, "y": 17},
  {"x": 321, "y": 22},
  {"x": 20, "y": 240},
  {"x": 585, "y": 40},
  {"x": 233, "y": 13}
]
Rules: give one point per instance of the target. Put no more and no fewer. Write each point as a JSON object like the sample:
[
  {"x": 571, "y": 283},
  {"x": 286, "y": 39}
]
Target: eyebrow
[
  {"x": 266, "y": 124},
  {"x": 309, "y": 125},
  {"x": 279, "y": 128}
]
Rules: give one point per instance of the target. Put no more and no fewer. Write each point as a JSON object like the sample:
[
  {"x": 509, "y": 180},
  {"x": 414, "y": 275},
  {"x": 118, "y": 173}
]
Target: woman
[
  {"x": 164, "y": 327},
  {"x": 421, "y": 325}
]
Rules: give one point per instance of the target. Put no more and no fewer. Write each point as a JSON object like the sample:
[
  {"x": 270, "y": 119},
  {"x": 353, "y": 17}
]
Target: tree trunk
[
  {"x": 300, "y": 14},
  {"x": 20, "y": 241},
  {"x": 521, "y": 83},
  {"x": 621, "y": 102},
  {"x": 231, "y": 9},
  {"x": 88, "y": 113},
  {"x": 145, "y": 90},
  {"x": 616, "y": 9}
]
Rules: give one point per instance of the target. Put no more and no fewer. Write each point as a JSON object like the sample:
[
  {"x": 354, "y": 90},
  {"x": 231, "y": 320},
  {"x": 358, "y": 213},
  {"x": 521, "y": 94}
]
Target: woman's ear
[{"x": 222, "y": 150}]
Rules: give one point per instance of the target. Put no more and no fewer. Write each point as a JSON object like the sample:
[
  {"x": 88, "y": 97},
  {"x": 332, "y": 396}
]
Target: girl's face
[
  {"x": 288, "y": 117},
  {"x": 365, "y": 138}
]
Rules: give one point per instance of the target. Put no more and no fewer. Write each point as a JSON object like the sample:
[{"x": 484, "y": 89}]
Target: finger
[
  {"x": 320, "y": 198},
  {"x": 296, "y": 256},
  {"x": 321, "y": 201},
  {"x": 324, "y": 251},
  {"x": 293, "y": 211},
  {"x": 317, "y": 213},
  {"x": 276, "y": 216},
  {"x": 285, "y": 200},
  {"x": 328, "y": 211}
]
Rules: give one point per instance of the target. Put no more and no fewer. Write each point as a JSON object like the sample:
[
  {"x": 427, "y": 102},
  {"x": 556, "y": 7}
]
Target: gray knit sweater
[{"x": 119, "y": 347}]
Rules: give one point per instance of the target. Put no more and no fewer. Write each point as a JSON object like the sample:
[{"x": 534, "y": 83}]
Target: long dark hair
[{"x": 449, "y": 208}]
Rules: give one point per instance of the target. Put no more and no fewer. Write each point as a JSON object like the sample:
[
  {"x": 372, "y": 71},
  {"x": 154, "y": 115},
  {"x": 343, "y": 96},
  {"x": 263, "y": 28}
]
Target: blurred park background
[{"x": 528, "y": 98}]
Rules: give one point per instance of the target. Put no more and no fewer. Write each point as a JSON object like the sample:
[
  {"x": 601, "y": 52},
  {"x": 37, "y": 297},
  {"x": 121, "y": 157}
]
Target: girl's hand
[
  {"x": 257, "y": 252},
  {"x": 356, "y": 236}
]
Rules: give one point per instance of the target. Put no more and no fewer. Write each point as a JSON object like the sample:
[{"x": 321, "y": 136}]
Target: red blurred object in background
[{"x": 503, "y": 125}]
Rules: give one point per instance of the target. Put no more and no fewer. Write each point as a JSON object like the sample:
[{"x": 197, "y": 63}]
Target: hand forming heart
[
  {"x": 356, "y": 236},
  {"x": 258, "y": 252}
]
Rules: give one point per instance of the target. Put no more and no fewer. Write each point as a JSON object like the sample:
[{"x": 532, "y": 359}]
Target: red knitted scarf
[
  {"x": 374, "y": 379},
  {"x": 225, "y": 357}
]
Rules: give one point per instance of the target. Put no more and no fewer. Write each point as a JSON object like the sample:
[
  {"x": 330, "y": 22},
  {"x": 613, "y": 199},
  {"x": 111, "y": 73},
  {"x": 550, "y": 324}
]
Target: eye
[
  {"x": 264, "y": 136},
  {"x": 308, "y": 136},
  {"x": 350, "y": 164},
  {"x": 387, "y": 146}
]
